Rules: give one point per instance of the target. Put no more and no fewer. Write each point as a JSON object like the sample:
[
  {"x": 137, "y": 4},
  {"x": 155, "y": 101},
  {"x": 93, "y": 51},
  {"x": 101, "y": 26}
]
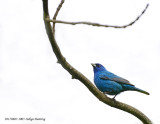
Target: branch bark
[
  {"x": 79, "y": 76},
  {"x": 92, "y": 23}
]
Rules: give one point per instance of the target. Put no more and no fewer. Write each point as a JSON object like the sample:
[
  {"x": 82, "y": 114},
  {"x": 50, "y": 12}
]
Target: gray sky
[{"x": 33, "y": 85}]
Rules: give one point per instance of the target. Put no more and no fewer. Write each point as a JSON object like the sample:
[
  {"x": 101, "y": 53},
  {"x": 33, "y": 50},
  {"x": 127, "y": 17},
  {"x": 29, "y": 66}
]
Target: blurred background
[{"x": 33, "y": 85}]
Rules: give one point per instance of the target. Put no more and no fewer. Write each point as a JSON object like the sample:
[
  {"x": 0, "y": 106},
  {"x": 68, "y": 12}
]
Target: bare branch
[
  {"x": 56, "y": 13},
  {"x": 79, "y": 76},
  {"x": 58, "y": 9},
  {"x": 92, "y": 23}
]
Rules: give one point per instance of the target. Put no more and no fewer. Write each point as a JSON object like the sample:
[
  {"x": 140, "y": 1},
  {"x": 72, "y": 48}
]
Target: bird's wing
[{"x": 116, "y": 79}]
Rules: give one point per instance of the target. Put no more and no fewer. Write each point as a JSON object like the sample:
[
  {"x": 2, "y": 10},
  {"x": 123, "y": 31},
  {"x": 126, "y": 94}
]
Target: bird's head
[{"x": 98, "y": 67}]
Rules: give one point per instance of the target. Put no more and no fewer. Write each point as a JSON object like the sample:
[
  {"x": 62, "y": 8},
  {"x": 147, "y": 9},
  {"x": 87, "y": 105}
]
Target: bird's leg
[{"x": 114, "y": 97}]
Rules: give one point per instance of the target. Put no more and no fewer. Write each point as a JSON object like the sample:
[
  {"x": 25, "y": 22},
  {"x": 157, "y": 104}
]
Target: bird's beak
[{"x": 94, "y": 65}]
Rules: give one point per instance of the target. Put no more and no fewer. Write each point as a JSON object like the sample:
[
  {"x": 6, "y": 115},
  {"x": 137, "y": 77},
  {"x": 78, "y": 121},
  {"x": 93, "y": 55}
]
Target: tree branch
[
  {"x": 91, "y": 23},
  {"x": 79, "y": 76},
  {"x": 56, "y": 13}
]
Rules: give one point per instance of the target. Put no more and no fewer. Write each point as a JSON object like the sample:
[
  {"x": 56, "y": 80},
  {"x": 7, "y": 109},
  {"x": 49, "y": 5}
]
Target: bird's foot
[
  {"x": 114, "y": 98},
  {"x": 105, "y": 92}
]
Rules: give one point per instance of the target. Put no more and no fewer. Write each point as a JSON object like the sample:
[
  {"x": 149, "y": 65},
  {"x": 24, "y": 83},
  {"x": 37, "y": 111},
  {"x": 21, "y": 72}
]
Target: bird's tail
[
  {"x": 141, "y": 91},
  {"x": 133, "y": 88}
]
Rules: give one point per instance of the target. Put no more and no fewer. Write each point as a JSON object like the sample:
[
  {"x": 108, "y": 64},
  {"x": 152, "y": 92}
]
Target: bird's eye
[{"x": 98, "y": 65}]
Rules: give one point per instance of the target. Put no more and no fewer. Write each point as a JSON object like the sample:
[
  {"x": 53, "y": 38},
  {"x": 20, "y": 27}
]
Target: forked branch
[{"x": 79, "y": 76}]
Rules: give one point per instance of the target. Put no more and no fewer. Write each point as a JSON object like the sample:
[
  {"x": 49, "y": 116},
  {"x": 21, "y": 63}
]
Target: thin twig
[
  {"x": 95, "y": 24},
  {"x": 77, "y": 75},
  {"x": 56, "y": 13},
  {"x": 58, "y": 9}
]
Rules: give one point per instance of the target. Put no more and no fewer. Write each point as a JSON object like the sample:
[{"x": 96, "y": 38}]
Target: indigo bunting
[{"x": 111, "y": 84}]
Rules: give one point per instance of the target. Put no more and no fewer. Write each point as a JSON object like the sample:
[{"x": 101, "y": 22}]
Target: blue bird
[{"x": 111, "y": 84}]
